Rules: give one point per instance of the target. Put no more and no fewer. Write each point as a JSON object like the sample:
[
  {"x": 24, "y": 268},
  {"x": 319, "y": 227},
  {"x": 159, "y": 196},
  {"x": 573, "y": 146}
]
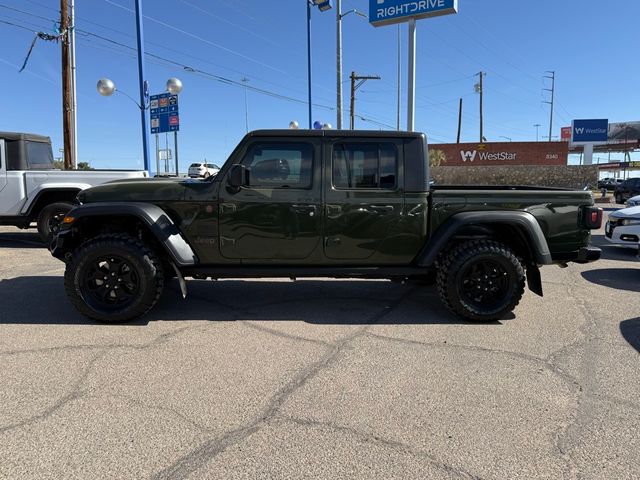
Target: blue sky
[{"x": 589, "y": 44}]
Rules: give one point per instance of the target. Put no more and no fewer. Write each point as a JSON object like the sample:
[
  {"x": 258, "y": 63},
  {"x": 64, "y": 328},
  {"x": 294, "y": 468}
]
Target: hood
[
  {"x": 631, "y": 212},
  {"x": 136, "y": 190}
]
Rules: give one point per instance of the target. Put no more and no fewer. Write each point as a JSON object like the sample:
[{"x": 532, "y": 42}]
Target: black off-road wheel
[
  {"x": 50, "y": 217},
  {"x": 114, "y": 278},
  {"x": 480, "y": 280},
  {"x": 619, "y": 200}
]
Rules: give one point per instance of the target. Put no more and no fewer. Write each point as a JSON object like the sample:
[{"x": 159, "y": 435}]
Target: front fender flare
[{"x": 156, "y": 219}]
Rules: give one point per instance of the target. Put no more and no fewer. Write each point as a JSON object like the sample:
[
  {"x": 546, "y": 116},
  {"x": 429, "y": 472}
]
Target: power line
[
  {"x": 204, "y": 40},
  {"x": 158, "y": 58},
  {"x": 131, "y": 36},
  {"x": 201, "y": 39},
  {"x": 16, "y": 25},
  {"x": 229, "y": 22}
]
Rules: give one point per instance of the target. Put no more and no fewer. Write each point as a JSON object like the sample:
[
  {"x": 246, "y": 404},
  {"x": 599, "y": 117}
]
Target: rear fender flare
[
  {"x": 152, "y": 216},
  {"x": 524, "y": 222},
  {"x": 69, "y": 191}
]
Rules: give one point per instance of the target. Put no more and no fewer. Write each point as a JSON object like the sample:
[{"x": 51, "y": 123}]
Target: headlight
[{"x": 626, "y": 223}]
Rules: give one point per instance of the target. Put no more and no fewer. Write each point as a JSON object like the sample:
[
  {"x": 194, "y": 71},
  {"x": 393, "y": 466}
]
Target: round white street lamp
[
  {"x": 106, "y": 87},
  {"x": 174, "y": 86}
]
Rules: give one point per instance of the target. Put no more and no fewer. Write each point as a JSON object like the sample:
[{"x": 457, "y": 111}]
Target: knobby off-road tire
[
  {"x": 480, "y": 280},
  {"x": 114, "y": 278},
  {"x": 619, "y": 199},
  {"x": 49, "y": 219}
]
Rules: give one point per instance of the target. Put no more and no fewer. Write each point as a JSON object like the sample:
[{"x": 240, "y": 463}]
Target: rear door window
[
  {"x": 365, "y": 166},
  {"x": 39, "y": 156}
]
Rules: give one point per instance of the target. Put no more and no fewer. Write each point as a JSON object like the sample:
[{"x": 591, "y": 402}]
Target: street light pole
[
  {"x": 411, "y": 81},
  {"x": 144, "y": 89},
  {"x": 339, "y": 17},
  {"x": 339, "y": 62},
  {"x": 537, "y": 125},
  {"x": 309, "y": 59}
]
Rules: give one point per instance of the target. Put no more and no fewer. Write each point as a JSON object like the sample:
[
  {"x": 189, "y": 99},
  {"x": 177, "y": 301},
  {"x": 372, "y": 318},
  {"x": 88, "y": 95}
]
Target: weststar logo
[{"x": 470, "y": 156}]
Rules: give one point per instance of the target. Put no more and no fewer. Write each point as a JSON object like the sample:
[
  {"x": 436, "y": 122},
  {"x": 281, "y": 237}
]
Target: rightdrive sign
[
  {"x": 589, "y": 131},
  {"x": 387, "y": 12}
]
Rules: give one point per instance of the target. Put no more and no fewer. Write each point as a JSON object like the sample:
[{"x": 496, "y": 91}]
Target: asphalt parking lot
[{"x": 320, "y": 379}]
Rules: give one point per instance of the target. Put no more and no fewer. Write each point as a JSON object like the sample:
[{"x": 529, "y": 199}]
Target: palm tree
[{"x": 436, "y": 157}]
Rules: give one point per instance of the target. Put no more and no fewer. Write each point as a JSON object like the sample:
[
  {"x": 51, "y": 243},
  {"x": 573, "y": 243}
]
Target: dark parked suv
[{"x": 627, "y": 189}]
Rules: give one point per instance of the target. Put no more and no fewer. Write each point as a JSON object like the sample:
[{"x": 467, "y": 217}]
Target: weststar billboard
[{"x": 503, "y": 153}]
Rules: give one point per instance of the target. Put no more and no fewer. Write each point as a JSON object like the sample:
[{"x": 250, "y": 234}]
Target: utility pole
[
  {"x": 355, "y": 86},
  {"x": 480, "y": 90},
  {"x": 66, "y": 86},
  {"x": 459, "y": 120},
  {"x": 552, "y": 77},
  {"x": 74, "y": 99},
  {"x": 537, "y": 125}
]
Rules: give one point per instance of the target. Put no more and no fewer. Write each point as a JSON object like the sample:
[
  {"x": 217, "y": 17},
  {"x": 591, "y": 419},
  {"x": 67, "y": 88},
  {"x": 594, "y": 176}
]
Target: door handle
[
  {"x": 382, "y": 208},
  {"x": 308, "y": 209},
  {"x": 228, "y": 207},
  {"x": 334, "y": 210}
]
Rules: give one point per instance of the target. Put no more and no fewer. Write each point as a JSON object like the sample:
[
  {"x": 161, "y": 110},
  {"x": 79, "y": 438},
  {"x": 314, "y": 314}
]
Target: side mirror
[{"x": 238, "y": 176}]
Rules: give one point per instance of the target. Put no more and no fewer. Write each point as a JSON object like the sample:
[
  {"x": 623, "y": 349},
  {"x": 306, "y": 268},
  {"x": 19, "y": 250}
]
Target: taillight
[{"x": 592, "y": 217}]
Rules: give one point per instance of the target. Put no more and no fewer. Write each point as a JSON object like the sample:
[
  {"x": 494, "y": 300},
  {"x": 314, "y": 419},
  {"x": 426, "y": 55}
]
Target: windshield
[{"x": 39, "y": 156}]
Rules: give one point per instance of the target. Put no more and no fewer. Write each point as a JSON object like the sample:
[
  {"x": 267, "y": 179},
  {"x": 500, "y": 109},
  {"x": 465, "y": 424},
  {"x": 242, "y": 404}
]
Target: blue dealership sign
[
  {"x": 163, "y": 109},
  {"x": 589, "y": 131},
  {"x": 387, "y": 12}
]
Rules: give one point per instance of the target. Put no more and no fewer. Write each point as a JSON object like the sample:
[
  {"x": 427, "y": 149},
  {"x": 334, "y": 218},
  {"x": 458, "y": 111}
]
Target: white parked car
[
  {"x": 203, "y": 170},
  {"x": 623, "y": 227},
  {"x": 633, "y": 202}
]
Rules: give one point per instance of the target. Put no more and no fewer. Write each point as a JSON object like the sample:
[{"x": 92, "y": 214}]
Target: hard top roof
[
  {"x": 24, "y": 136},
  {"x": 290, "y": 132}
]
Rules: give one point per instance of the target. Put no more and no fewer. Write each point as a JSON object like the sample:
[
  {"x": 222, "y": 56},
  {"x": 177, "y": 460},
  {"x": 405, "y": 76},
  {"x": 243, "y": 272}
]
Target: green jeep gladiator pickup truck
[{"x": 300, "y": 203}]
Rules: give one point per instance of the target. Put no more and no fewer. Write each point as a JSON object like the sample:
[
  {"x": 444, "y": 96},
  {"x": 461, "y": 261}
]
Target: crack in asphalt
[
  {"x": 74, "y": 393},
  {"x": 149, "y": 406},
  {"x": 62, "y": 348},
  {"x": 568, "y": 379},
  {"x": 568, "y": 434},
  {"x": 159, "y": 340},
  {"x": 615, "y": 400},
  {"x": 200, "y": 456},
  {"x": 287, "y": 336},
  {"x": 373, "y": 438}
]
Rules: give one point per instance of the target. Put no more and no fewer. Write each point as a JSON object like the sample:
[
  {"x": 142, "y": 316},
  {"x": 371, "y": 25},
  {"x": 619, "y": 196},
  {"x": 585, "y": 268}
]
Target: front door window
[{"x": 280, "y": 165}]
